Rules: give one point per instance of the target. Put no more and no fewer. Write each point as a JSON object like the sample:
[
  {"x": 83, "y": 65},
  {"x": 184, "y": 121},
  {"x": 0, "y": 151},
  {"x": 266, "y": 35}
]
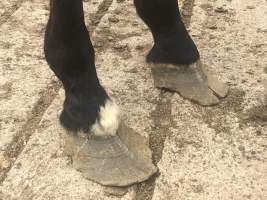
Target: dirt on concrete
[{"x": 202, "y": 152}]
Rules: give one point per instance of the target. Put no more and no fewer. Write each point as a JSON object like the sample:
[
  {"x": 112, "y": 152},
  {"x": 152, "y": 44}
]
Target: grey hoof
[
  {"x": 192, "y": 82},
  {"x": 122, "y": 160}
]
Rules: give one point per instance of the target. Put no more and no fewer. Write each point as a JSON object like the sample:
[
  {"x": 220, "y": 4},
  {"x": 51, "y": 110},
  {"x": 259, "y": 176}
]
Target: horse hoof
[
  {"x": 120, "y": 160},
  {"x": 193, "y": 82}
]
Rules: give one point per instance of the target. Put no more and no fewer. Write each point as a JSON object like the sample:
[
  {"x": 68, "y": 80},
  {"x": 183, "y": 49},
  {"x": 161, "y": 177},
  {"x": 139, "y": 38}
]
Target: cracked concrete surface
[{"x": 202, "y": 153}]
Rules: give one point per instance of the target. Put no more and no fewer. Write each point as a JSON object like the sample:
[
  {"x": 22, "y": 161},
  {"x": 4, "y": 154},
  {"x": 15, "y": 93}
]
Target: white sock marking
[{"x": 109, "y": 120}]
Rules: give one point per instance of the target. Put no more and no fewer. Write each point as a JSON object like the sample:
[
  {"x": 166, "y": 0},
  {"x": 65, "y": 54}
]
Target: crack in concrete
[
  {"x": 162, "y": 122},
  {"x": 47, "y": 96},
  {"x": 22, "y": 136}
]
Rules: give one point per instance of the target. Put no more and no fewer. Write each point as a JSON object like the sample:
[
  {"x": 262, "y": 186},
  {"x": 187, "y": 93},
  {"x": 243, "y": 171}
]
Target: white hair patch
[{"x": 109, "y": 120}]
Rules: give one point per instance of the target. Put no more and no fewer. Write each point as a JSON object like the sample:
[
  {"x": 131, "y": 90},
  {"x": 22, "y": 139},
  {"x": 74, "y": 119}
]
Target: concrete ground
[{"x": 205, "y": 153}]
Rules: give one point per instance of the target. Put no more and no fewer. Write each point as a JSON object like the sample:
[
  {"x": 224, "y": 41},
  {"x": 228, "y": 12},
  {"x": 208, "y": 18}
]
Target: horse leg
[
  {"x": 70, "y": 54},
  {"x": 174, "y": 58}
]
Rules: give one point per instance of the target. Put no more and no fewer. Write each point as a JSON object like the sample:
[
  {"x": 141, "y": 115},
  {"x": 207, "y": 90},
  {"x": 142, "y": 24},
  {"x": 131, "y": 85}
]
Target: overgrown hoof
[
  {"x": 121, "y": 160},
  {"x": 192, "y": 82}
]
